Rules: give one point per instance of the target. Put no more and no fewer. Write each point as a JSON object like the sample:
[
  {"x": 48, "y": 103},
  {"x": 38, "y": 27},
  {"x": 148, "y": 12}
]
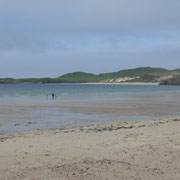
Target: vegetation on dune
[
  {"x": 7, "y": 80},
  {"x": 142, "y": 74},
  {"x": 137, "y": 72},
  {"x": 146, "y": 74},
  {"x": 175, "y": 72},
  {"x": 77, "y": 77}
]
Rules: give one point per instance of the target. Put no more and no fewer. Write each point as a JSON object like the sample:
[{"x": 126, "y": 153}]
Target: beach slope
[{"x": 126, "y": 150}]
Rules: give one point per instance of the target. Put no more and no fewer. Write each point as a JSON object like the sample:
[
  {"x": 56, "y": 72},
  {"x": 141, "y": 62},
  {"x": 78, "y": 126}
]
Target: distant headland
[{"x": 137, "y": 75}]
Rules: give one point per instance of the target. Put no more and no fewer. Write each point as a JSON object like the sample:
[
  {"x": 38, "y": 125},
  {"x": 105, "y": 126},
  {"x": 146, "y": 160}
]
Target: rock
[{"x": 16, "y": 124}]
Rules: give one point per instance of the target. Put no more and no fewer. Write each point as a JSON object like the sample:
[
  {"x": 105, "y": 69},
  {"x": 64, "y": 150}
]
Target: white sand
[
  {"x": 146, "y": 149},
  {"x": 125, "y": 83}
]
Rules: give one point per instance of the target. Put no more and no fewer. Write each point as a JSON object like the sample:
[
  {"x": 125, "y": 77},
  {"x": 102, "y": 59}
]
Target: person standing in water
[{"x": 53, "y": 96}]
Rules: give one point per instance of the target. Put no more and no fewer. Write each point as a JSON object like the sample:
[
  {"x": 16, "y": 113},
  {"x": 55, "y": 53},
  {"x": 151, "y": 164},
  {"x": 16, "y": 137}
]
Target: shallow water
[{"x": 25, "y": 107}]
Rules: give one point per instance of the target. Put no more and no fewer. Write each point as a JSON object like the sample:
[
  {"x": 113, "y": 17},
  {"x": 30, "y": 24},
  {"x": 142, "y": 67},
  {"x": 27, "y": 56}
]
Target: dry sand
[
  {"x": 125, "y": 83},
  {"x": 146, "y": 149}
]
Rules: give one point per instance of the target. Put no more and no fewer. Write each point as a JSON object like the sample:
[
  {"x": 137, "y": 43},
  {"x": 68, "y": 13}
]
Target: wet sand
[
  {"x": 144, "y": 149},
  {"x": 20, "y": 115}
]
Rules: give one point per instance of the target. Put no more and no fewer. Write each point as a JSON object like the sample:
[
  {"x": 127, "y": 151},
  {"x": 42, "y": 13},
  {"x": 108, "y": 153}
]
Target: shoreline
[
  {"x": 123, "y": 83},
  {"x": 121, "y": 150},
  {"x": 74, "y": 128}
]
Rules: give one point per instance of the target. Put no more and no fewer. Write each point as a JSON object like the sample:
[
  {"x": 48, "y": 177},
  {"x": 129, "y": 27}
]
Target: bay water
[{"x": 25, "y": 107}]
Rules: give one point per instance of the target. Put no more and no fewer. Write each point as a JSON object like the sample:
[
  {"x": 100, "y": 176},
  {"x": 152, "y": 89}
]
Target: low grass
[{"x": 145, "y": 74}]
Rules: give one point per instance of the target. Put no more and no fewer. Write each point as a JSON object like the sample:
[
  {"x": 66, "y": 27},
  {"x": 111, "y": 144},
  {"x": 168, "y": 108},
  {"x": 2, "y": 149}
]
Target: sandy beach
[
  {"x": 89, "y": 90},
  {"x": 125, "y": 83},
  {"x": 144, "y": 149}
]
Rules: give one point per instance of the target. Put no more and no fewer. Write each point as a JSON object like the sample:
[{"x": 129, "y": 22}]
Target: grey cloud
[
  {"x": 65, "y": 29},
  {"x": 94, "y": 16}
]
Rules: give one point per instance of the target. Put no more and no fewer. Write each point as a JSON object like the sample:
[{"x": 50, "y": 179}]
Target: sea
[{"x": 29, "y": 107}]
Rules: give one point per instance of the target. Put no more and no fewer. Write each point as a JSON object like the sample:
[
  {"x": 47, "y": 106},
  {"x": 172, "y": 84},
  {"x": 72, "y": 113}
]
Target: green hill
[
  {"x": 7, "y": 80},
  {"x": 145, "y": 74},
  {"x": 142, "y": 74},
  {"x": 136, "y": 72},
  {"x": 175, "y": 72},
  {"x": 77, "y": 77}
]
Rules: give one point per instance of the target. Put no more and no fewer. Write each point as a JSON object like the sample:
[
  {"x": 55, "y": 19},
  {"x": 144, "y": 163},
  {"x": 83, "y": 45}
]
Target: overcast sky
[{"x": 41, "y": 38}]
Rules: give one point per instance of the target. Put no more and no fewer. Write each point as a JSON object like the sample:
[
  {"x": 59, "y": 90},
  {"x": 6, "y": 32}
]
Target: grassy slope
[
  {"x": 146, "y": 74},
  {"x": 137, "y": 72},
  {"x": 7, "y": 80},
  {"x": 175, "y": 72},
  {"x": 77, "y": 77}
]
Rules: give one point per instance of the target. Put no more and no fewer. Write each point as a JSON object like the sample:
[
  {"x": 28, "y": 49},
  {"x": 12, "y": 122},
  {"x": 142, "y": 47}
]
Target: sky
[{"x": 48, "y": 38}]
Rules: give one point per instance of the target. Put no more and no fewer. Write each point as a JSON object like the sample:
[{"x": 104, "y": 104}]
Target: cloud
[{"x": 65, "y": 29}]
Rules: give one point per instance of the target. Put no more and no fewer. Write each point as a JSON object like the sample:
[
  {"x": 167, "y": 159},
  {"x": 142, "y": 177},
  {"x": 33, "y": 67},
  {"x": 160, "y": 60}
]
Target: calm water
[
  {"x": 41, "y": 90},
  {"x": 25, "y": 107}
]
